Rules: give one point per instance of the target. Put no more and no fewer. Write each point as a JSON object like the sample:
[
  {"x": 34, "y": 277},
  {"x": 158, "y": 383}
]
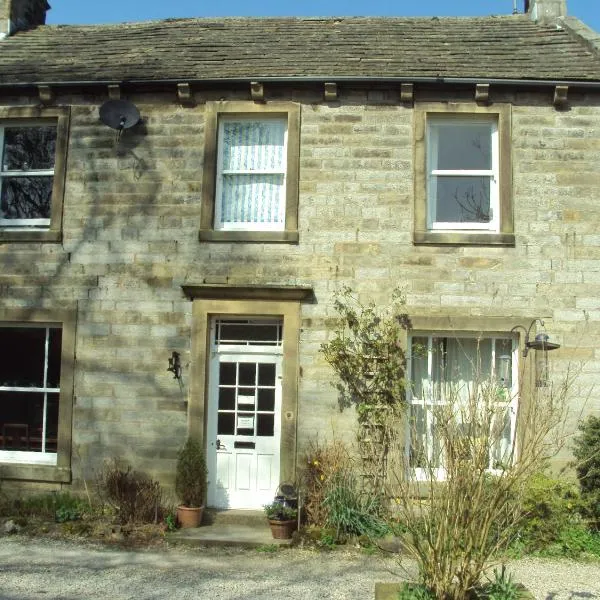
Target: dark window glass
[
  {"x": 21, "y": 420},
  {"x": 226, "y": 424},
  {"x": 22, "y": 351},
  {"x": 252, "y": 334},
  {"x": 266, "y": 374},
  {"x": 54, "y": 355},
  {"x": 227, "y": 373},
  {"x": 226, "y": 398},
  {"x": 265, "y": 425},
  {"x": 29, "y": 148},
  {"x": 26, "y": 197},
  {"x": 246, "y": 392},
  {"x": 266, "y": 400},
  {"x": 247, "y": 374},
  {"x": 463, "y": 199},
  {"x": 245, "y": 431},
  {"x": 464, "y": 146}
]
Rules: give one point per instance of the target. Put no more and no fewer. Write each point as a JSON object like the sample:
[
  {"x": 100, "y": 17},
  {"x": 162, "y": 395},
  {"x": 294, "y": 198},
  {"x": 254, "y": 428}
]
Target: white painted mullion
[
  {"x": 45, "y": 410},
  {"x": 432, "y": 164},
  {"x": 1, "y": 159},
  {"x": 495, "y": 182},
  {"x": 219, "y": 178},
  {"x": 32, "y": 173},
  {"x": 252, "y": 172},
  {"x": 464, "y": 172}
]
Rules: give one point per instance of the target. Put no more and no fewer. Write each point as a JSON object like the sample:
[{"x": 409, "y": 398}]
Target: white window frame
[
  {"x": 21, "y": 456},
  {"x": 246, "y": 226},
  {"x": 422, "y": 474},
  {"x": 433, "y": 172},
  {"x": 24, "y": 224}
]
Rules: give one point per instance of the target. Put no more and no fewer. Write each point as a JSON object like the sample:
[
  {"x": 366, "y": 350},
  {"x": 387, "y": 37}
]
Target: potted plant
[
  {"x": 190, "y": 483},
  {"x": 282, "y": 520}
]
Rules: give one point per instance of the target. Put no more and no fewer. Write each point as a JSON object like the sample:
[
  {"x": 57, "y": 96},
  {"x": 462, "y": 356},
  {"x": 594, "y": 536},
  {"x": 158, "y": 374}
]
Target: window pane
[
  {"x": 266, "y": 400},
  {"x": 29, "y": 148},
  {"x": 504, "y": 362},
  {"x": 247, "y": 374},
  {"x": 266, "y": 374},
  {"x": 22, "y": 420},
  {"x": 26, "y": 197},
  {"x": 226, "y": 398},
  {"x": 462, "y": 199},
  {"x": 463, "y": 146},
  {"x": 252, "y": 199},
  {"x": 419, "y": 367},
  {"x": 227, "y": 373},
  {"x": 254, "y": 145},
  {"x": 54, "y": 356},
  {"x": 265, "y": 425},
  {"x": 225, "y": 424},
  {"x": 251, "y": 334},
  {"x": 22, "y": 352}
]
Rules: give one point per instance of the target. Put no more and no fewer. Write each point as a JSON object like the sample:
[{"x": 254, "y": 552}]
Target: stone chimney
[
  {"x": 19, "y": 15},
  {"x": 546, "y": 12}
]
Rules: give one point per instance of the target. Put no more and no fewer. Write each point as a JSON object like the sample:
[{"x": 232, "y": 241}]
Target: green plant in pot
[
  {"x": 190, "y": 483},
  {"x": 282, "y": 519}
]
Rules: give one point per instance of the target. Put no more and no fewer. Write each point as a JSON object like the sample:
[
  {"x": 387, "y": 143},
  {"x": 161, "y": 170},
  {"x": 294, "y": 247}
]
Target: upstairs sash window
[
  {"x": 251, "y": 174},
  {"x": 463, "y": 174},
  {"x": 27, "y": 159}
]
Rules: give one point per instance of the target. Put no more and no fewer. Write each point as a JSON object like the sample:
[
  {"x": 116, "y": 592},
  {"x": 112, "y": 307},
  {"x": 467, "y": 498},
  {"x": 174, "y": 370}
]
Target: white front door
[{"x": 244, "y": 412}]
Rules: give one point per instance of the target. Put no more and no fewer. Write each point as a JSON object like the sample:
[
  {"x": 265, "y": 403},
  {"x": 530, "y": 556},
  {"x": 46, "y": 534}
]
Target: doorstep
[{"x": 248, "y": 529}]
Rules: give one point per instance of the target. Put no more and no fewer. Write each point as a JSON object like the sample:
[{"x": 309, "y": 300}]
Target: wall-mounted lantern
[
  {"x": 542, "y": 345},
  {"x": 175, "y": 365}
]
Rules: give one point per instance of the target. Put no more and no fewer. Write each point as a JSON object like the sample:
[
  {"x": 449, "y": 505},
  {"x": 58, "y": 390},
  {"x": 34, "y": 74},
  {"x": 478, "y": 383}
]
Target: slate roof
[{"x": 505, "y": 47}]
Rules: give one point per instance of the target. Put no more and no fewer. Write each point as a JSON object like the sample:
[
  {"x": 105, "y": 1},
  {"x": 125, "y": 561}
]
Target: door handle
[{"x": 220, "y": 445}]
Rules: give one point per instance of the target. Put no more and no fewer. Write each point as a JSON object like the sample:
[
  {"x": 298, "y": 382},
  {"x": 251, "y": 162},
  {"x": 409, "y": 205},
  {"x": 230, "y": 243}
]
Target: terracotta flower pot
[
  {"x": 189, "y": 517},
  {"x": 282, "y": 530}
]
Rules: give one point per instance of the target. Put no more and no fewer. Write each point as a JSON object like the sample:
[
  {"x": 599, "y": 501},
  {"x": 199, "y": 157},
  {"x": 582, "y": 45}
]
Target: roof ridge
[
  {"x": 258, "y": 19},
  {"x": 584, "y": 34}
]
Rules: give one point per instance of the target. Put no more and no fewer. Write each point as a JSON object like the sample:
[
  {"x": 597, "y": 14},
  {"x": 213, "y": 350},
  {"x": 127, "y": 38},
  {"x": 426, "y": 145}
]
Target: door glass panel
[
  {"x": 265, "y": 425},
  {"x": 226, "y": 424},
  {"x": 266, "y": 400},
  {"x": 247, "y": 374},
  {"x": 227, "y": 373},
  {"x": 227, "y": 399},
  {"x": 245, "y": 391},
  {"x": 266, "y": 374},
  {"x": 249, "y": 332}
]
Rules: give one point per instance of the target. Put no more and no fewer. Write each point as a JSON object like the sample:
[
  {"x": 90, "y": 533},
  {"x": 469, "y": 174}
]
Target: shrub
[
  {"x": 586, "y": 451},
  {"x": 550, "y": 506},
  {"x": 190, "y": 477},
  {"x": 352, "y": 511},
  {"x": 323, "y": 462},
  {"x": 59, "y": 506},
  {"x": 459, "y": 526},
  {"x": 134, "y": 496}
]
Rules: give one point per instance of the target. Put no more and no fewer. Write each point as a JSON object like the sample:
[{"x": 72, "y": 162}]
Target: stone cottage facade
[{"x": 177, "y": 276}]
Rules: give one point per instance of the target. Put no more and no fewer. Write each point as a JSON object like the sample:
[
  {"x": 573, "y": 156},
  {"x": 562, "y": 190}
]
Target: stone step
[{"x": 247, "y": 518}]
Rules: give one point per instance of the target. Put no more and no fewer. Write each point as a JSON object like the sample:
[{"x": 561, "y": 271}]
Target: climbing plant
[{"x": 367, "y": 356}]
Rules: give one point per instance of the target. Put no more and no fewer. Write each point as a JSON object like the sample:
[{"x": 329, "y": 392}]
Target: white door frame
[
  {"x": 282, "y": 303},
  {"x": 243, "y": 464}
]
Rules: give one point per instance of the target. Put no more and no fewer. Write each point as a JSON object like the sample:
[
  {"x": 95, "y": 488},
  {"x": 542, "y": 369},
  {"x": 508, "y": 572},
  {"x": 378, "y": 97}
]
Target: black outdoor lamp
[
  {"x": 542, "y": 345},
  {"x": 175, "y": 365}
]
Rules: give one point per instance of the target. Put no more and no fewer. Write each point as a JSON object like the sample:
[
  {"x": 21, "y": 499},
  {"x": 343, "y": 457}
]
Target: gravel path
[{"x": 40, "y": 568}]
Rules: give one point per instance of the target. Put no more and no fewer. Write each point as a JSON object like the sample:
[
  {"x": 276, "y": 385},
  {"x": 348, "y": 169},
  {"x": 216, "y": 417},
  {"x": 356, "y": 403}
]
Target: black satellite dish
[{"x": 119, "y": 114}]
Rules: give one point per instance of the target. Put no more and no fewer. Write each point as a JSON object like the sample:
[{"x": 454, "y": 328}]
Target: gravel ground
[{"x": 49, "y": 569}]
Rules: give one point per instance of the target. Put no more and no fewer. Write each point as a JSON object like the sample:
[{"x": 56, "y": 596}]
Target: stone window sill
[{"x": 274, "y": 237}]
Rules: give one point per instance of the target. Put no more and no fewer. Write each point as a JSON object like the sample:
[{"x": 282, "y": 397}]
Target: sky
[{"x": 117, "y": 11}]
